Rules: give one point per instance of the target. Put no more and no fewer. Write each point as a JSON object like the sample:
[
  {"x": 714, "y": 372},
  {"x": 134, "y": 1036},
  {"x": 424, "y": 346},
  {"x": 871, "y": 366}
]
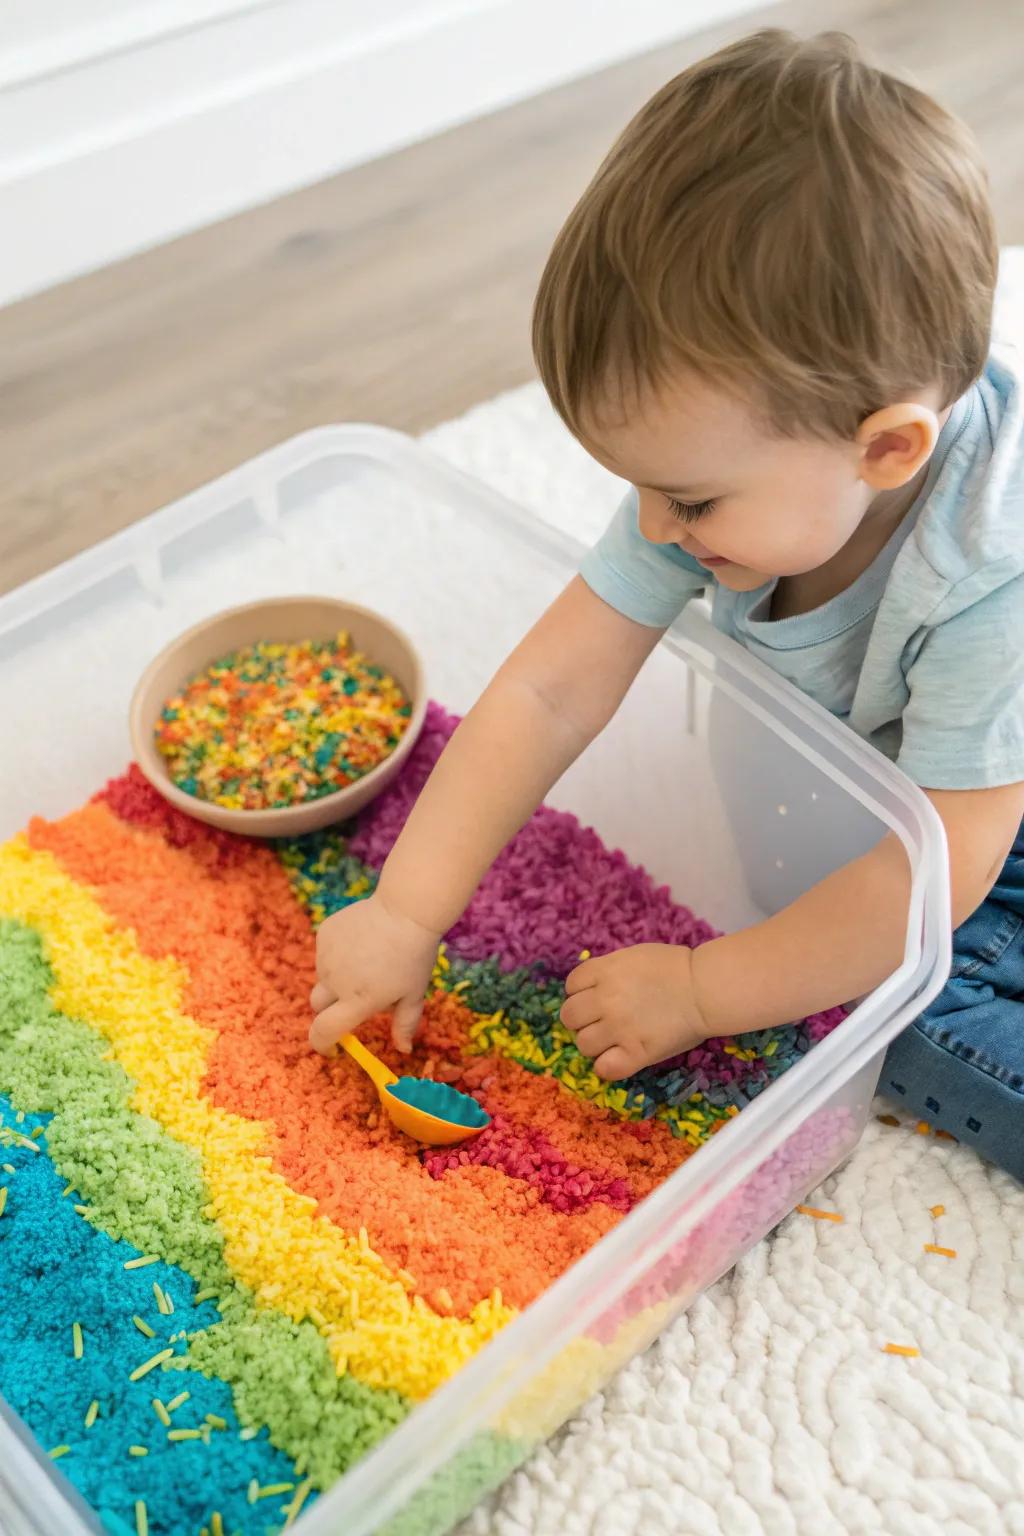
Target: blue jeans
[{"x": 961, "y": 1064}]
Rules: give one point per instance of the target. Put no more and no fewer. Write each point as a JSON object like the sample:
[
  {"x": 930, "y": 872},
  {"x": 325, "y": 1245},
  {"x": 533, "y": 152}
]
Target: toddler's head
[{"x": 777, "y": 282}]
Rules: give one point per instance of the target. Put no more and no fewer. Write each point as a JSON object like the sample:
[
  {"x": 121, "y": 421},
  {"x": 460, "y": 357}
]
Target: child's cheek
[{"x": 789, "y": 539}]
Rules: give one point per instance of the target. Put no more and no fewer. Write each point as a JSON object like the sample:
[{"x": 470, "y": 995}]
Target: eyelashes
[{"x": 689, "y": 511}]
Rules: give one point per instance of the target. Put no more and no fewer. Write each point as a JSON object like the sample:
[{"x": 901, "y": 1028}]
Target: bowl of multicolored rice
[{"x": 280, "y": 716}]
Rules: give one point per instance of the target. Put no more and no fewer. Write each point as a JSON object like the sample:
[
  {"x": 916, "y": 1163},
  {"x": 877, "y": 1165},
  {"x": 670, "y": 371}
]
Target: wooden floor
[{"x": 398, "y": 292}]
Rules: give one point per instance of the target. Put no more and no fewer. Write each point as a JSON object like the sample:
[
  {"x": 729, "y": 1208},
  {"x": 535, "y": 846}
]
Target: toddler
[{"x": 770, "y": 313}]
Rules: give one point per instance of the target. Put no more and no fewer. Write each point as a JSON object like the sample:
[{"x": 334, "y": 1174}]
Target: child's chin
[{"x": 740, "y": 578}]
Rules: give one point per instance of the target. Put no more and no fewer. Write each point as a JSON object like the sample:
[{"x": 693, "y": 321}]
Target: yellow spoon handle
[{"x": 372, "y": 1065}]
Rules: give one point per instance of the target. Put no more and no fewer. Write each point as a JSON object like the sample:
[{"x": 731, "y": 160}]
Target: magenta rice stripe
[
  {"x": 553, "y": 892},
  {"x": 523, "y": 1153}
]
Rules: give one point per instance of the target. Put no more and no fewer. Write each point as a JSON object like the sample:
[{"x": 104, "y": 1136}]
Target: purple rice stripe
[{"x": 553, "y": 892}]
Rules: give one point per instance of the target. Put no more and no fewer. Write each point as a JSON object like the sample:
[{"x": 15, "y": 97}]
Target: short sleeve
[
  {"x": 650, "y": 583},
  {"x": 963, "y": 727}
]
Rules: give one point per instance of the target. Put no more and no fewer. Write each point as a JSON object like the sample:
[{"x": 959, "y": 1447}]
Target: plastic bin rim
[{"x": 132, "y": 547}]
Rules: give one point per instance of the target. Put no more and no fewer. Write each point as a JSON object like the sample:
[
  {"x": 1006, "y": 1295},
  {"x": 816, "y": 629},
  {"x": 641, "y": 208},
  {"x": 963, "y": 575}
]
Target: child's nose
[{"x": 657, "y": 524}]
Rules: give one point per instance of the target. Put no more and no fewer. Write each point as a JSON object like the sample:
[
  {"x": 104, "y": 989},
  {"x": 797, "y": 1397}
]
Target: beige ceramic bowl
[{"x": 284, "y": 618}]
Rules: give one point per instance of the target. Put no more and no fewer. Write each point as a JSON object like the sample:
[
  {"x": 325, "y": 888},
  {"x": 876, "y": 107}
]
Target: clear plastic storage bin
[{"x": 725, "y": 782}]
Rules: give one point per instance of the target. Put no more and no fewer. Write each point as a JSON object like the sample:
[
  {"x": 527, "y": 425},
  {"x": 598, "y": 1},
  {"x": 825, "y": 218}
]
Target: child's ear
[{"x": 894, "y": 443}]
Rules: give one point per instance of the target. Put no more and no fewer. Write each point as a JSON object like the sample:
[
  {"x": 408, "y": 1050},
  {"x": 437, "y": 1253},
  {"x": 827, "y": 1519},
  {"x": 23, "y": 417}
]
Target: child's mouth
[{"x": 704, "y": 556}]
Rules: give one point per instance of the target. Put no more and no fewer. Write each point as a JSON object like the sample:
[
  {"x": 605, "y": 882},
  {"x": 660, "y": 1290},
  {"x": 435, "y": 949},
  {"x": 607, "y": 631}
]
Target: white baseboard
[{"x": 136, "y": 144}]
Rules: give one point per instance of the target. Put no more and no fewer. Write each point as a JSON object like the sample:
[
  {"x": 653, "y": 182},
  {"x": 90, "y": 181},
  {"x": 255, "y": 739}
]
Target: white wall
[{"x": 126, "y": 122}]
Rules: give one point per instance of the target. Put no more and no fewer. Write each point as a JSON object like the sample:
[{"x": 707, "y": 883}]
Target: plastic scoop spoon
[{"x": 427, "y": 1111}]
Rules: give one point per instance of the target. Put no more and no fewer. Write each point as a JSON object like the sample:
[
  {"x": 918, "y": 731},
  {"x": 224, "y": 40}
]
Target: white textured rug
[{"x": 771, "y": 1407}]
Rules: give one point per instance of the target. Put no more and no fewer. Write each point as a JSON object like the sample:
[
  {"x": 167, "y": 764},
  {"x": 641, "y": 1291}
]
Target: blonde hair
[{"x": 784, "y": 219}]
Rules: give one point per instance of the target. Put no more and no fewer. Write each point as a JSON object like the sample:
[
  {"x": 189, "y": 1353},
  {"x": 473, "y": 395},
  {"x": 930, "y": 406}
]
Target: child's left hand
[{"x": 634, "y": 1007}]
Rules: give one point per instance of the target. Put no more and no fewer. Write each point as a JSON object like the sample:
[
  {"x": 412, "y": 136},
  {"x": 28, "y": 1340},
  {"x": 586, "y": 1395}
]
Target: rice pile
[{"x": 265, "y": 1275}]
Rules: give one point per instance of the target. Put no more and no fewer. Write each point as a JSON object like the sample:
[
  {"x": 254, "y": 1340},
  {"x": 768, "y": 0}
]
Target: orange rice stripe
[
  {"x": 946, "y": 1253},
  {"x": 812, "y": 1210},
  {"x": 937, "y": 1210},
  {"x": 248, "y": 982},
  {"x": 923, "y": 1128},
  {"x": 271, "y": 1240},
  {"x": 908, "y": 1350},
  {"x": 588, "y": 1136},
  {"x": 396, "y": 1202}
]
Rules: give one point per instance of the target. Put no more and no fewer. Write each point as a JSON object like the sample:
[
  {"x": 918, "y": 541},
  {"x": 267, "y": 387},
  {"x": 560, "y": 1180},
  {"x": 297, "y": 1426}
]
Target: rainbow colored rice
[
  {"x": 322, "y": 1273},
  {"x": 276, "y": 724}
]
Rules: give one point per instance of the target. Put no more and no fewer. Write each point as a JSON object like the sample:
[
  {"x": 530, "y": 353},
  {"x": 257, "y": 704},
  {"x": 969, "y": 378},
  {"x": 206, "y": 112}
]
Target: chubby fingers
[
  {"x": 331, "y": 1023},
  {"x": 584, "y": 976},
  {"x": 585, "y": 1013},
  {"x": 598, "y": 1037},
  {"x": 611, "y": 1055},
  {"x": 584, "y": 1003},
  {"x": 602, "y": 1042},
  {"x": 614, "y": 1064},
  {"x": 321, "y": 997},
  {"x": 405, "y": 1021},
  {"x": 581, "y": 1009}
]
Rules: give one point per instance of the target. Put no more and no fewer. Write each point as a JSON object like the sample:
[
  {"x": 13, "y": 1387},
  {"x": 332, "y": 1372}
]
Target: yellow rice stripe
[
  {"x": 290, "y": 1257},
  {"x": 504, "y": 1035},
  {"x": 581, "y": 1368}
]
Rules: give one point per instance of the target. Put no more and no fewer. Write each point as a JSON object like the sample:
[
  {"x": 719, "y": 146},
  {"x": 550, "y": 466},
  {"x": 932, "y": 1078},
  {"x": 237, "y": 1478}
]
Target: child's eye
[{"x": 689, "y": 511}]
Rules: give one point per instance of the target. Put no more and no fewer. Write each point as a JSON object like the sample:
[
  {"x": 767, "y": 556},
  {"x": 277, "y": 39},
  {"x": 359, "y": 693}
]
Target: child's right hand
[{"x": 370, "y": 960}]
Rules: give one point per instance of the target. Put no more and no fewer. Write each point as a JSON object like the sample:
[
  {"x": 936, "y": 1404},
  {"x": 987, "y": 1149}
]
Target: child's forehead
[{"x": 684, "y": 435}]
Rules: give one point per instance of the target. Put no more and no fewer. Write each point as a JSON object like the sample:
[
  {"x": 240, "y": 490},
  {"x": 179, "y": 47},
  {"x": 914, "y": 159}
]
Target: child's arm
[
  {"x": 555, "y": 693},
  {"x": 834, "y": 943}
]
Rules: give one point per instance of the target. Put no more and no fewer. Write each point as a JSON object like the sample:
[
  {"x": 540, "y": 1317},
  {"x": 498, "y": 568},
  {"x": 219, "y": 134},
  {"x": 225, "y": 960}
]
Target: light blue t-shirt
[{"x": 923, "y": 655}]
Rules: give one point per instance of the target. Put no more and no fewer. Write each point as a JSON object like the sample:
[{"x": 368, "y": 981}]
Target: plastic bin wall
[{"x": 728, "y": 785}]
